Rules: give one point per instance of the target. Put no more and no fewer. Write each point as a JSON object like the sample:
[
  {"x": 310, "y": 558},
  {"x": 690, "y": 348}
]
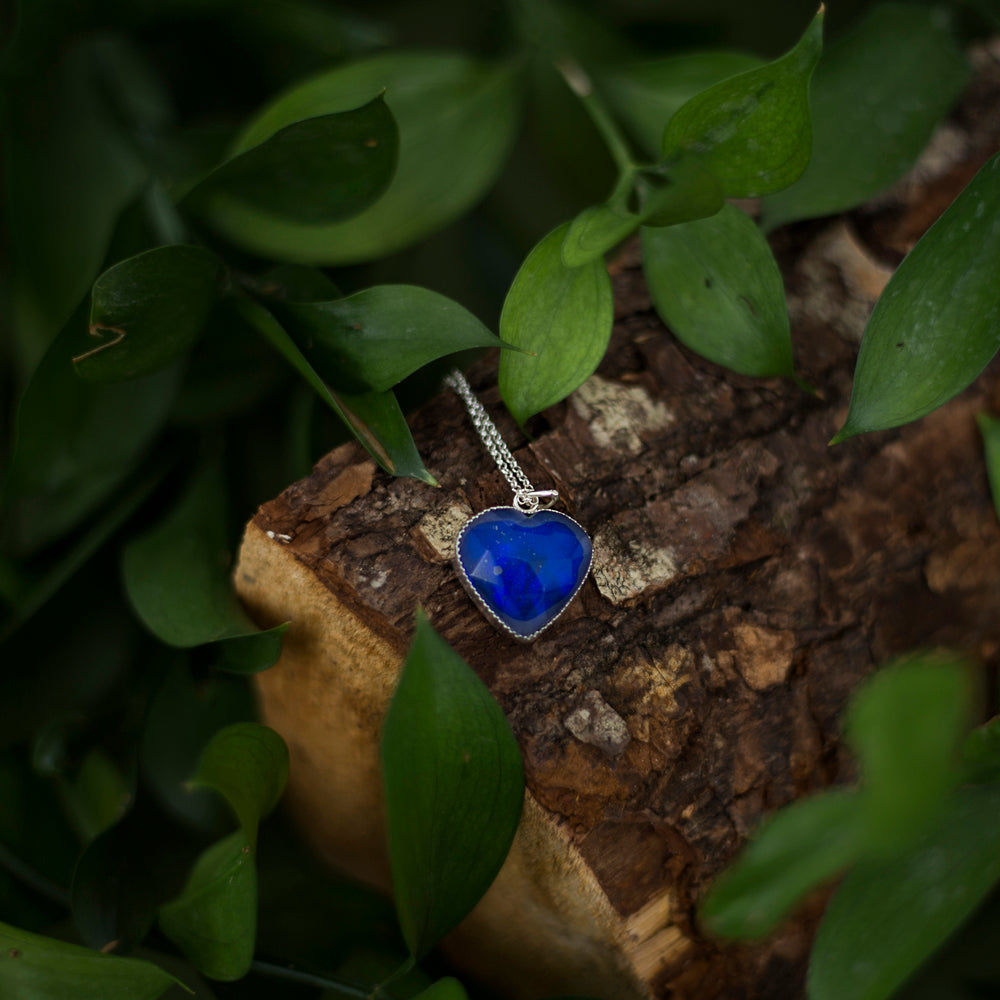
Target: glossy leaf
[
  {"x": 752, "y": 131},
  {"x": 454, "y": 789},
  {"x": 887, "y": 917},
  {"x": 76, "y": 442},
  {"x": 42, "y": 968},
  {"x": 214, "y": 919},
  {"x": 937, "y": 323},
  {"x": 374, "y": 418},
  {"x": 147, "y": 311},
  {"x": 317, "y": 170},
  {"x": 989, "y": 427},
  {"x": 375, "y": 338},
  {"x": 647, "y": 94},
  {"x": 667, "y": 194},
  {"x": 876, "y": 97},
  {"x": 981, "y": 752},
  {"x": 561, "y": 317},
  {"x": 456, "y": 118},
  {"x": 247, "y": 764},
  {"x": 177, "y": 578},
  {"x": 906, "y": 727},
  {"x": 715, "y": 283},
  {"x": 799, "y": 847}
]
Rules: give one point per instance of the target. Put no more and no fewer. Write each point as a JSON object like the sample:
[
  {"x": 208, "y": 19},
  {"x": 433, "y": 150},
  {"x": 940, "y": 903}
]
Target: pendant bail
[{"x": 532, "y": 501}]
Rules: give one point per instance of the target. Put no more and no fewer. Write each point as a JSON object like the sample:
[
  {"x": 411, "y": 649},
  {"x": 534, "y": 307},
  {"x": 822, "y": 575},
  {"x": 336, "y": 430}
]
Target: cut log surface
[{"x": 746, "y": 578}]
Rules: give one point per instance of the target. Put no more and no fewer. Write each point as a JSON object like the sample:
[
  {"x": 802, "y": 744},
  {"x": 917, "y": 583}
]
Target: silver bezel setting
[{"x": 481, "y": 604}]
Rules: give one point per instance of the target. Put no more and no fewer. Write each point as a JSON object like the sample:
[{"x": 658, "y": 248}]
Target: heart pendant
[{"x": 523, "y": 570}]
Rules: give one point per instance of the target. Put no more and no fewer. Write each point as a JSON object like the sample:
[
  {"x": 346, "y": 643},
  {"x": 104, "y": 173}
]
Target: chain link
[{"x": 527, "y": 499}]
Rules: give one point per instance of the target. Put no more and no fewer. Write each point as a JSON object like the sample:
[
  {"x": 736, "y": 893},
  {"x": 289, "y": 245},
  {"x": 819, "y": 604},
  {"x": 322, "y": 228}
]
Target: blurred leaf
[
  {"x": 667, "y": 194},
  {"x": 374, "y": 418},
  {"x": 937, "y": 323},
  {"x": 76, "y": 442},
  {"x": 752, "y": 131},
  {"x": 41, "y": 968},
  {"x": 444, "y": 989},
  {"x": 147, "y": 311},
  {"x": 887, "y": 917},
  {"x": 296, "y": 283},
  {"x": 717, "y": 286},
  {"x": 314, "y": 171},
  {"x": 214, "y": 919},
  {"x": 182, "y": 717},
  {"x": 981, "y": 753},
  {"x": 41, "y": 585},
  {"x": 177, "y": 577},
  {"x": 562, "y": 318},
  {"x": 456, "y": 118},
  {"x": 797, "y": 848},
  {"x": 115, "y": 886},
  {"x": 96, "y": 795},
  {"x": 906, "y": 726},
  {"x": 989, "y": 427},
  {"x": 454, "y": 789},
  {"x": 377, "y": 337},
  {"x": 647, "y": 94},
  {"x": 70, "y": 172},
  {"x": 247, "y": 764},
  {"x": 876, "y": 97}
]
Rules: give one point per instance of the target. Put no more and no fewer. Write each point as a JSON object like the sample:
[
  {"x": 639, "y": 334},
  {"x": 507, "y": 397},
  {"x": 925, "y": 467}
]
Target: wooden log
[{"x": 746, "y": 579}]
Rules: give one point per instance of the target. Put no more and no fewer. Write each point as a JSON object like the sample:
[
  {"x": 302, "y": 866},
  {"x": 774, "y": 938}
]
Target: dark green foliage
[{"x": 177, "y": 177}]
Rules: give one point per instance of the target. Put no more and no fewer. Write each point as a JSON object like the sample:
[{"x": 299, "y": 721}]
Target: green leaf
[
  {"x": 247, "y": 764},
  {"x": 989, "y": 427},
  {"x": 76, "y": 442},
  {"x": 214, "y": 919},
  {"x": 937, "y": 323},
  {"x": 444, "y": 989},
  {"x": 115, "y": 886},
  {"x": 667, "y": 194},
  {"x": 888, "y": 917},
  {"x": 62, "y": 207},
  {"x": 906, "y": 726},
  {"x": 454, "y": 789},
  {"x": 647, "y": 94},
  {"x": 374, "y": 418},
  {"x": 752, "y": 131},
  {"x": 875, "y": 99},
  {"x": 456, "y": 118},
  {"x": 716, "y": 284},
  {"x": 171, "y": 748},
  {"x": 177, "y": 579},
  {"x": 561, "y": 317},
  {"x": 41, "y": 968},
  {"x": 317, "y": 170},
  {"x": 147, "y": 311},
  {"x": 798, "y": 848},
  {"x": 981, "y": 752},
  {"x": 377, "y": 337}
]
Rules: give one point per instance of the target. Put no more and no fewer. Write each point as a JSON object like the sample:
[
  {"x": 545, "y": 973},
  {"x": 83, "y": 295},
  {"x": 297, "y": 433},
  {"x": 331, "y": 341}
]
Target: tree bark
[{"x": 746, "y": 578}]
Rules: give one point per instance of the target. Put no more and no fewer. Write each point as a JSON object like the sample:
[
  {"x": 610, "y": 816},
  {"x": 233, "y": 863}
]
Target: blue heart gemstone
[{"x": 523, "y": 569}]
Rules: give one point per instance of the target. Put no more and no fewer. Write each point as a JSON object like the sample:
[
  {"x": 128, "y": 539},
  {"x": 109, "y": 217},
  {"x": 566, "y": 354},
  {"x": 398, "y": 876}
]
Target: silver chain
[{"x": 527, "y": 499}]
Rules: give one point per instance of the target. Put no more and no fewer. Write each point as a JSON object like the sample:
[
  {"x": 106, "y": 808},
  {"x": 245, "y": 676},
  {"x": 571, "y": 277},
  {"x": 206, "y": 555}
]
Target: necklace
[{"x": 521, "y": 564}]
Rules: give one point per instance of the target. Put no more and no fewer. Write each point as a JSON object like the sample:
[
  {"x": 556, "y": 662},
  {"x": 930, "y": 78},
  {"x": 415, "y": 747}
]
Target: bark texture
[{"x": 746, "y": 579}]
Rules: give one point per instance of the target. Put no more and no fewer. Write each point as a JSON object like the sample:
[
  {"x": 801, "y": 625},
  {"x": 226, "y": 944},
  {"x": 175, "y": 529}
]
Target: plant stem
[
  {"x": 580, "y": 83},
  {"x": 304, "y": 978},
  {"x": 32, "y": 879}
]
